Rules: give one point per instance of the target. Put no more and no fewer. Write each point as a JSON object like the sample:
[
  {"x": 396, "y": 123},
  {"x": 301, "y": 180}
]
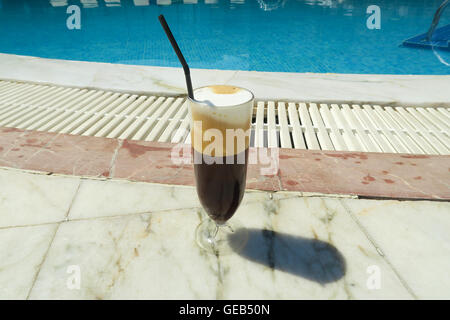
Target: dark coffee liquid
[{"x": 220, "y": 186}]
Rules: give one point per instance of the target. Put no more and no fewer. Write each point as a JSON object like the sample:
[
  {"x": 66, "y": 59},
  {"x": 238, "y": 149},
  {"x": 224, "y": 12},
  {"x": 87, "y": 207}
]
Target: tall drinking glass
[{"x": 220, "y": 133}]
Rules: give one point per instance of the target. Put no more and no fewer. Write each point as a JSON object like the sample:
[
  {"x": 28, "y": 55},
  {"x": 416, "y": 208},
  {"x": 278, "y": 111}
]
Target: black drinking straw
[{"x": 183, "y": 62}]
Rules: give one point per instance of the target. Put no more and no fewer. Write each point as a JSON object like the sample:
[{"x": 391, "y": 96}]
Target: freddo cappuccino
[{"x": 220, "y": 121}]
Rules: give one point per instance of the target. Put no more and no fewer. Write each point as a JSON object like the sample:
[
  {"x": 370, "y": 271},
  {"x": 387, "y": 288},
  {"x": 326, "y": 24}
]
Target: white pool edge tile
[{"x": 405, "y": 90}]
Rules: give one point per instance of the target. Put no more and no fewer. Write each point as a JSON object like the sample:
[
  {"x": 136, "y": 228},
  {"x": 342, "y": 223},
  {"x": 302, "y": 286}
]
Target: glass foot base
[{"x": 221, "y": 239}]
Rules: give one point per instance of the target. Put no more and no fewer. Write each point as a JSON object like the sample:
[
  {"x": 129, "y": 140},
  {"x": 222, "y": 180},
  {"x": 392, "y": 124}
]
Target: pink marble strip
[
  {"x": 57, "y": 153},
  {"x": 331, "y": 172},
  {"x": 386, "y": 175}
]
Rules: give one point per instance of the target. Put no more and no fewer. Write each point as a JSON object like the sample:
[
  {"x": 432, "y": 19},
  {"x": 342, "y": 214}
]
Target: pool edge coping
[{"x": 404, "y": 90}]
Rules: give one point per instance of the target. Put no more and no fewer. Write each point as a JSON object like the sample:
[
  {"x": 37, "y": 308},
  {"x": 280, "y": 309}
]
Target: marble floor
[{"x": 65, "y": 237}]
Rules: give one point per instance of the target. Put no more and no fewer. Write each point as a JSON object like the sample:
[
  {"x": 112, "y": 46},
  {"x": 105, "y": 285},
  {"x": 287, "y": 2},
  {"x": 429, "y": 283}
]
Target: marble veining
[
  {"x": 22, "y": 251},
  {"x": 27, "y": 198},
  {"x": 414, "y": 238},
  {"x": 129, "y": 240}
]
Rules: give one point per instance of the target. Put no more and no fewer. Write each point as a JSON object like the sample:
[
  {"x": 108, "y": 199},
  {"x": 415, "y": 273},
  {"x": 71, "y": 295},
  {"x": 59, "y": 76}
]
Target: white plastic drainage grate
[{"x": 343, "y": 127}]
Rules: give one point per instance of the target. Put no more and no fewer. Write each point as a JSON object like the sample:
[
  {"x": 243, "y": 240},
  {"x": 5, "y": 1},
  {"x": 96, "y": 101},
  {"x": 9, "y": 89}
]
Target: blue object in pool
[{"x": 440, "y": 39}]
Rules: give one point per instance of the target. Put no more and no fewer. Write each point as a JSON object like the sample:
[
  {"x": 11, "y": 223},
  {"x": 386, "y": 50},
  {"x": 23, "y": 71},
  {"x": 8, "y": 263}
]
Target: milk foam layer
[
  {"x": 223, "y": 104},
  {"x": 228, "y": 107},
  {"x": 222, "y": 96}
]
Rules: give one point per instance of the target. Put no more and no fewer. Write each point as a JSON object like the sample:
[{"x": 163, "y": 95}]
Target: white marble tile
[
  {"x": 100, "y": 198},
  {"x": 300, "y": 247},
  {"x": 107, "y": 76},
  {"x": 27, "y": 198},
  {"x": 154, "y": 256},
  {"x": 34, "y": 69},
  {"x": 131, "y": 257},
  {"x": 383, "y": 89},
  {"x": 22, "y": 251},
  {"x": 262, "y": 196},
  {"x": 316, "y": 252},
  {"x": 156, "y": 80},
  {"x": 415, "y": 237}
]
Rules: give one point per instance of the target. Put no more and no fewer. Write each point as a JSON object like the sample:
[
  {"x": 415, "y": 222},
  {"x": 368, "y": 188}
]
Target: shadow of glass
[{"x": 308, "y": 258}]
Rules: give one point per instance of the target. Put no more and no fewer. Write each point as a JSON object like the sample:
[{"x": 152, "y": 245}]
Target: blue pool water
[{"x": 264, "y": 35}]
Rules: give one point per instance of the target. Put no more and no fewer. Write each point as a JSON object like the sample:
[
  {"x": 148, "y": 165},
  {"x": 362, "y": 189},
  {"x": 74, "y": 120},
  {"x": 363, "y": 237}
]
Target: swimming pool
[{"x": 323, "y": 36}]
